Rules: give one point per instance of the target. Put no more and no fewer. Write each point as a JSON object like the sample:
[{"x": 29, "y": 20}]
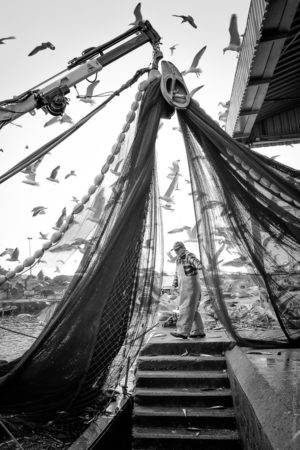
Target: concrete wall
[{"x": 263, "y": 417}]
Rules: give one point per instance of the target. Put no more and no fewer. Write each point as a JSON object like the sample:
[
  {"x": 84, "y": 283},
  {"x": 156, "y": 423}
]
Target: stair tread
[
  {"x": 179, "y": 391},
  {"x": 181, "y": 374},
  {"x": 183, "y": 433},
  {"x": 180, "y": 358},
  {"x": 190, "y": 411}
]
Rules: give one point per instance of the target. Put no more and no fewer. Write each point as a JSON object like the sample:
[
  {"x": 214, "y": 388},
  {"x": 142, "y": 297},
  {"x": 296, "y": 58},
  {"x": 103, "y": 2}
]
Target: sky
[{"x": 73, "y": 26}]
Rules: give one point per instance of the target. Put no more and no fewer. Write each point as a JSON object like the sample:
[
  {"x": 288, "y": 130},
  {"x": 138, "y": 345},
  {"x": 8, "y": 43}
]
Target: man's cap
[{"x": 178, "y": 245}]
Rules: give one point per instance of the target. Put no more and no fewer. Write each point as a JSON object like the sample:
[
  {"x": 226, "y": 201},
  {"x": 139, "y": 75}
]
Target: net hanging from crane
[
  {"x": 109, "y": 304},
  {"x": 246, "y": 207},
  {"x": 248, "y": 220}
]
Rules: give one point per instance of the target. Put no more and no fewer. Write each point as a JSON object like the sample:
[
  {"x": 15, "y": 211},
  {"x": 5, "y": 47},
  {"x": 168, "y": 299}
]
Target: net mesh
[
  {"x": 247, "y": 227},
  {"x": 247, "y": 212},
  {"x": 62, "y": 381}
]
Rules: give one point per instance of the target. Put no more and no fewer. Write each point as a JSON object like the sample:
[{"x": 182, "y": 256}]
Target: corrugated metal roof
[{"x": 266, "y": 108}]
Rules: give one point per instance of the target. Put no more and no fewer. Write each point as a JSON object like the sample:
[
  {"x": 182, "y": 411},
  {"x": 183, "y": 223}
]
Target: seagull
[
  {"x": 61, "y": 219},
  {"x": 177, "y": 129},
  {"x": 38, "y": 210},
  {"x": 115, "y": 169},
  {"x": 168, "y": 207},
  {"x": 7, "y": 251},
  {"x": 43, "y": 46},
  {"x": 179, "y": 230},
  {"x": 173, "y": 48},
  {"x": 225, "y": 105},
  {"x": 53, "y": 175},
  {"x": 193, "y": 91},
  {"x": 223, "y": 116},
  {"x": 194, "y": 68},
  {"x": 1, "y": 150},
  {"x": 30, "y": 179},
  {"x": 89, "y": 93},
  {"x": 138, "y": 15},
  {"x": 32, "y": 167},
  {"x": 66, "y": 119},
  {"x": 97, "y": 206},
  {"x": 4, "y": 39},
  {"x": 175, "y": 167},
  {"x": 238, "y": 262},
  {"x": 235, "y": 40},
  {"x": 167, "y": 196},
  {"x": 74, "y": 199},
  {"x": 63, "y": 119},
  {"x": 14, "y": 256},
  {"x": 71, "y": 173},
  {"x": 43, "y": 236},
  {"x": 188, "y": 19}
]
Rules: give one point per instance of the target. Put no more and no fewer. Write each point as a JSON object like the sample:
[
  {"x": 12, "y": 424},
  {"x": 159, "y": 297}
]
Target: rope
[
  {"x": 11, "y": 435},
  {"x": 17, "y": 332},
  {"x": 61, "y": 137}
]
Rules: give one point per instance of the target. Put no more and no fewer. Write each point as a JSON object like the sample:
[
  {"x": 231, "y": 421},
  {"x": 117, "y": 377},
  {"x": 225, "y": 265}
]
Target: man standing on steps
[{"x": 187, "y": 279}]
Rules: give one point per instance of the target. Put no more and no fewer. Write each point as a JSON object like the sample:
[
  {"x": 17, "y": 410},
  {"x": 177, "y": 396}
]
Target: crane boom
[{"x": 52, "y": 96}]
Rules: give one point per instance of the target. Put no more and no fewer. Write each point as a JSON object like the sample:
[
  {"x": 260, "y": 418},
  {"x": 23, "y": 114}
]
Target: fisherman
[{"x": 187, "y": 279}]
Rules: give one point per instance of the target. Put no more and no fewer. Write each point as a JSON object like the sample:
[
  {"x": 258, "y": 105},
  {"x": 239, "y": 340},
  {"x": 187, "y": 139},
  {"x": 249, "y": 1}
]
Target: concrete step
[
  {"x": 190, "y": 346},
  {"x": 189, "y": 362},
  {"x": 176, "y": 416},
  {"x": 153, "y": 438},
  {"x": 183, "y": 396},
  {"x": 183, "y": 378}
]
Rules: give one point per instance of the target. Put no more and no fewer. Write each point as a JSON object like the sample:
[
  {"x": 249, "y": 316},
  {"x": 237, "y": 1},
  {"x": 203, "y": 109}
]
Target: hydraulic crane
[{"x": 52, "y": 97}]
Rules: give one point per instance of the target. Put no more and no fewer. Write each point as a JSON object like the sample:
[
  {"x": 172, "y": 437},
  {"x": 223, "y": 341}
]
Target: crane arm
[{"x": 52, "y": 97}]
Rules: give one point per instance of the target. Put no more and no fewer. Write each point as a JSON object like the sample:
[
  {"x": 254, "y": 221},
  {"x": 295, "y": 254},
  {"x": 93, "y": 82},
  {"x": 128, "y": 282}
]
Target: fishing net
[
  {"x": 247, "y": 228},
  {"x": 247, "y": 214},
  {"x": 99, "y": 325}
]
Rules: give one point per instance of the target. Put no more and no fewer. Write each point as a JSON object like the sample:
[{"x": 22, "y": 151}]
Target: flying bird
[
  {"x": 65, "y": 118},
  {"x": 70, "y": 174},
  {"x": 7, "y": 251},
  {"x": 195, "y": 62},
  {"x": 225, "y": 105},
  {"x": 115, "y": 170},
  {"x": 53, "y": 175},
  {"x": 4, "y": 39},
  {"x": 61, "y": 219},
  {"x": 97, "y": 206},
  {"x": 30, "y": 179},
  {"x": 43, "y": 46},
  {"x": 188, "y": 19},
  {"x": 32, "y": 167},
  {"x": 175, "y": 167},
  {"x": 223, "y": 116},
  {"x": 74, "y": 199},
  {"x": 1, "y": 150},
  {"x": 235, "y": 40},
  {"x": 168, "y": 207},
  {"x": 173, "y": 48},
  {"x": 38, "y": 210},
  {"x": 89, "y": 93},
  {"x": 43, "y": 236},
  {"x": 179, "y": 230},
  {"x": 167, "y": 196},
  {"x": 14, "y": 256},
  {"x": 193, "y": 91},
  {"x": 138, "y": 15}
]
